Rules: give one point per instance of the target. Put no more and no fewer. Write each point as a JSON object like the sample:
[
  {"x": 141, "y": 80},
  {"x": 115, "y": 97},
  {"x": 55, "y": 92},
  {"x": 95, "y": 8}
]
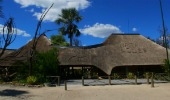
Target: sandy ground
[{"x": 161, "y": 91}]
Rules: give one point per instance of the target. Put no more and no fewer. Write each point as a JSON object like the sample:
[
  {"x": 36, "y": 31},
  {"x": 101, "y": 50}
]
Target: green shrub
[
  {"x": 167, "y": 66},
  {"x": 44, "y": 64},
  {"x": 130, "y": 75},
  {"x": 116, "y": 76},
  {"x": 147, "y": 74},
  {"x": 32, "y": 80}
]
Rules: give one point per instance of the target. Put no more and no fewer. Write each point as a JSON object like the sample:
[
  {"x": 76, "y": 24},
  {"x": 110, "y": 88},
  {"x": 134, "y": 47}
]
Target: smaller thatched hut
[
  {"x": 7, "y": 51},
  {"x": 23, "y": 53}
]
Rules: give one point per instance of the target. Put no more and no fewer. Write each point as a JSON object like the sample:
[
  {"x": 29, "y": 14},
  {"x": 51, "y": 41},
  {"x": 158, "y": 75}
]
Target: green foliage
[
  {"x": 68, "y": 18},
  {"x": 116, "y": 76},
  {"x": 166, "y": 66},
  {"x": 147, "y": 74},
  {"x": 32, "y": 80},
  {"x": 130, "y": 75},
  {"x": 59, "y": 40},
  {"x": 45, "y": 64}
]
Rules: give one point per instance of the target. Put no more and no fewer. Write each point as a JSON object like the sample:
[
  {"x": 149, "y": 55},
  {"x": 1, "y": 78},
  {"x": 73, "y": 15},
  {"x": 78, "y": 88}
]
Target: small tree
[
  {"x": 45, "y": 64},
  {"x": 59, "y": 40}
]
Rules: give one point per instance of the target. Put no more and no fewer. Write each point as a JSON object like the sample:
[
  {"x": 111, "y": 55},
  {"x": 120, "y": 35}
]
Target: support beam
[
  {"x": 147, "y": 77},
  {"x": 65, "y": 84},
  {"x": 152, "y": 80},
  {"x": 82, "y": 80},
  {"x": 136, "y": 80},
  {"x": 58, "y": 80},
  {"x": 109, "y": 80}
]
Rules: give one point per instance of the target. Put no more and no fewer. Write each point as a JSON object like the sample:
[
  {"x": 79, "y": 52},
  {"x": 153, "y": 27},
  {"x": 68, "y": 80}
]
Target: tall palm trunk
[{"x": 71, "y": 40}]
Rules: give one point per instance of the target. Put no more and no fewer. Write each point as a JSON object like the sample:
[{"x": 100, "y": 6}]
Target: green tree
[
  {"x": 45, "y": 64},
  {"x": 59, "y": 40},
  {"x": 68, "y": 18}
]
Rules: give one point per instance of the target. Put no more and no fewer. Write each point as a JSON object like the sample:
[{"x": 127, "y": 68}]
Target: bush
[
  {"x": 130, "y": 75},
  {"x": 147, "y": 74},
  {"x": 45, "y": 64},
  {"x": 32, "y": 80},
  {"x": 116, "y": 76},
  {"x": 167, "y": 66}
]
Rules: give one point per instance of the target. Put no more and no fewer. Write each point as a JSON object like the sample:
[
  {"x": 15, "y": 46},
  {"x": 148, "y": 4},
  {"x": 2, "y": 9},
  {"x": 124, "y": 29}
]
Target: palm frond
[{"x": 67, "y": 18}]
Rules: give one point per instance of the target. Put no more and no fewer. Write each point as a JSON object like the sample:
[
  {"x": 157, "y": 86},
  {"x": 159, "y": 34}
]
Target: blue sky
[{"x": 100, "y": 18}]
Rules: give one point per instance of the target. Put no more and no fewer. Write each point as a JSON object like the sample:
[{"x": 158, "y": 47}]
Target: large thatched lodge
[{"x": 120, "y": 53}]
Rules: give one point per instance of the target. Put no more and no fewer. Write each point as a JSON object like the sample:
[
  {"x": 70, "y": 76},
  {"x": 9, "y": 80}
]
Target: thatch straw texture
[
  {"x": 117, "y": 50},
  {"x": 23, "y": 53},
  {"x": 7, "y": 51}
]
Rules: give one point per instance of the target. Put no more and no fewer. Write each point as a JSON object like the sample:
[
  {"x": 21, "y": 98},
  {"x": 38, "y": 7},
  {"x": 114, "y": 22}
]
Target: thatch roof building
[
  {"x": 117, "y": 50},
  {"x": 23, "y": 53},
  {"x": 7, "y": 51}
]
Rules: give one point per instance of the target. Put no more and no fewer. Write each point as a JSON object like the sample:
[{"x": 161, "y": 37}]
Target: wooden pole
[
  {"x": 109, "y": 80},
  {"x": 58, "y": 80},
  {"x": 65, "y": 83},
  {"x": 152, "y": 80},
  {"x": 83, "y": 80},
  {"x": 147, "y": 77},
  {"x": 136, "y": 79}
]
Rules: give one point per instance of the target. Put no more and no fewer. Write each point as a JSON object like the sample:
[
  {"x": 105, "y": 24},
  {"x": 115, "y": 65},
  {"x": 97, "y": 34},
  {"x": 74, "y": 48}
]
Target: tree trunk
[{"x": 71, "y": 40}]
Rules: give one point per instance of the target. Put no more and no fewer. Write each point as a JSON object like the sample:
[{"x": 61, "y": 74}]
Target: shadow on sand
[{"x": 12, "y": 92}]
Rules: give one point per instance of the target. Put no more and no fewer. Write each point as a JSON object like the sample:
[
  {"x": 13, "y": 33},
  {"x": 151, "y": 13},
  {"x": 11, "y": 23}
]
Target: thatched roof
[
  {"x": 23, "y": 53},
  {"x": 117, "y": 50},
  {"x": 7, "y": 51}
]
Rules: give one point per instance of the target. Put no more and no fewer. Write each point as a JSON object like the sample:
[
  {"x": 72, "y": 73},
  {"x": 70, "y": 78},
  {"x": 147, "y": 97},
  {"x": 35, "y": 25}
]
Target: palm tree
[{"x": 68, "y": 18}]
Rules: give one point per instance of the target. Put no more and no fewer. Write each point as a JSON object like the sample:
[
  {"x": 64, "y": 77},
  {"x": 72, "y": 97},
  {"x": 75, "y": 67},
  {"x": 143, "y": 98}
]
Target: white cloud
[
  {"x": 23, "y": 33},
  {"x": 56, "y": 9},
  {"x": 134, "y": 29},
  {"x": 100, "y": 30},
  {"x": 31, "y": 10},
  {"x": 18, "y": 32}
]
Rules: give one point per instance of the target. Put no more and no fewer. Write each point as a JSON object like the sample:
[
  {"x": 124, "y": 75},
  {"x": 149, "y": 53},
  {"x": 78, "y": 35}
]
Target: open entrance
[
  {"x": 76, "y": 72},
  {"x": 124, "y": 71},
  {"x": 120, "y": 75}
]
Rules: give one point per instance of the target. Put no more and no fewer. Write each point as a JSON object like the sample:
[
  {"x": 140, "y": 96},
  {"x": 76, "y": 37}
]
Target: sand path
[{"x": 77, "y": 92}]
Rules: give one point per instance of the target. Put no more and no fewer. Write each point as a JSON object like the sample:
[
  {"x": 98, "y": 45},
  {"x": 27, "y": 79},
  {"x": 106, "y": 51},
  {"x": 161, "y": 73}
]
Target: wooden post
[
  {"x": 147, "y": 77},
  {"x": 152, "y": 80},
  {"x": 72, "y": 71},
  {"x": 82, "y": 71},
  {"x": 109, "y": 80},
  {"x": 83, "y": 80},
  {"x": 58, "y": 80},
  {"x": 136, "y": 80},
  {"x": 65, "y": 83}
]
